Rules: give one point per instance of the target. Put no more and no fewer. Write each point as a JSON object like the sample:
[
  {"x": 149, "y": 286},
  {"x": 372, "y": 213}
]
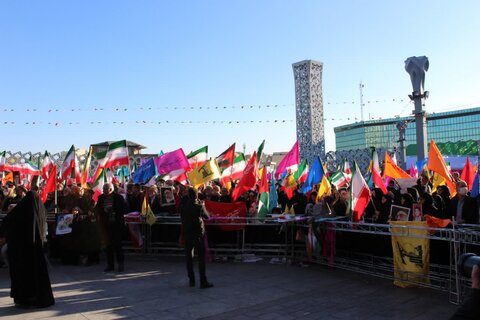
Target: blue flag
[
  {"x": 315, "y": 176},
  {"x": 145, "y": 172},
  {"x": 475, "y": 187},
  {"x": 273, "y": 196}
]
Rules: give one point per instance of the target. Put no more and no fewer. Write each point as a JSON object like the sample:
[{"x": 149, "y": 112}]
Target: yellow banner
[
  {"x": 411, "y": 253},
  {"x": 202, "y": 174}
]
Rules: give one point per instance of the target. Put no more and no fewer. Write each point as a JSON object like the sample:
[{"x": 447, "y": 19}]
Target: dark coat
[
  {"x": 30, "y": 282},
  {"x": 192, "y": 214},
  {"x": 469, "y": 210},
  {"x": 111, "y": 224}
]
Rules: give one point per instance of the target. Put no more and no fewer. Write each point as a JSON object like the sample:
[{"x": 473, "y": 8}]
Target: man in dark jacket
[
  {"x": 462, "y": 206},
  {"x": 193, "y": 232},
  {"x": 110, "y": 210}
]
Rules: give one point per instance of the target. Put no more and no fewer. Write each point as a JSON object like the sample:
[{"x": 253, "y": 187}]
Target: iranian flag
[
  {"x": 70, "y": 166},
  {"x": 302, "y": 173},
  {"x": 359, "y": 194},
  {"x": 46, "y": 165},
  {"x": 117, "y": 154},
  {"x": 249, "y": 178},
  {"x": 198, "y": 158},
  {"x": 347, "y": 172},
  {"x": 263, "y": 200},
  {"x": 338, "y": 179},
  {"x": 98, "y": 185},
  {"x": 376, "y": 176},
  {"x": 235, "y": 172},
  {"x": 2, "y": 161}
]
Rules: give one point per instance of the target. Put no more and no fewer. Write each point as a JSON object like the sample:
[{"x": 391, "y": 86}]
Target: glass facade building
[{"x": 456, "y": 132}]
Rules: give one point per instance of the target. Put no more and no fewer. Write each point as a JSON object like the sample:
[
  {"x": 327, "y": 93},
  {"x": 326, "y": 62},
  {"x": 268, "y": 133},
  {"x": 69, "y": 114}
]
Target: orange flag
[
  {"x": 392, "y": 170},
  {"x": 437, "y": 164}
]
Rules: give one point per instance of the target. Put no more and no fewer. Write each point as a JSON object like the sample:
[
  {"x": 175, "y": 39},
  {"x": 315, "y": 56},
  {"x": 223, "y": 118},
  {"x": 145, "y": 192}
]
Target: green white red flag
[
  {"x": 70, "y": 166},
  {"x": 198, "y": 157},
  {"x": 359, "y": 194},
  {"x": 249, "y": 178},
  {"x": 117, "y": 154}
]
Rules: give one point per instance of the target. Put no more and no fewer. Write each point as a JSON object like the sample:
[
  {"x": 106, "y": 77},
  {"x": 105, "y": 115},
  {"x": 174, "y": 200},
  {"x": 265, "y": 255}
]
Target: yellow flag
[
  {"x": 438, "y": 180},
  {"x": 325, "y": 188},
  {"x": 202, "y": 174},
  {"x": 411, "y": 253},
  {"x": 148, "y": 213}
]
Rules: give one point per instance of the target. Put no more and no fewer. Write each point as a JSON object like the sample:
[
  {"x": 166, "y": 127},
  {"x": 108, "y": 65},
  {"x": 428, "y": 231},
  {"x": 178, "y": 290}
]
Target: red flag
[
  {"x": 376, "y": 177},
  {"x": 230, "y": 213},
  {"x": 468, "y": 174},
  {"x": 249, "y": 179},
  {"x": 50, "y": 185},
  {"x": 264, "y": 182}
]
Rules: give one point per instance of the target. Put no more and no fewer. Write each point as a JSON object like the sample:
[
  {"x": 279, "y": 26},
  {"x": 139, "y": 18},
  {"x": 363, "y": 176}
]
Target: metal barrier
[{"x": 360, "y": 247}]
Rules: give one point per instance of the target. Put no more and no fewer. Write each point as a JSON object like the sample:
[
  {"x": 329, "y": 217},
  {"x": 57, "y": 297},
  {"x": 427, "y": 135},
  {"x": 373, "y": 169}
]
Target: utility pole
[{"x": 361, "y": 100}]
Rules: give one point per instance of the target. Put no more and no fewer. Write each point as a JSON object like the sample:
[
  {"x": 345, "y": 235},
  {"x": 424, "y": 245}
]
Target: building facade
[{"x": 455, "y": 133}]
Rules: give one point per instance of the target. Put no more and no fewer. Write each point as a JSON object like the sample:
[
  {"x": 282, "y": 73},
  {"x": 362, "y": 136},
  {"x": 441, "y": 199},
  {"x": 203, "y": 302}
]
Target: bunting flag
[
  {"x": 116, "y": 155},
  {"x": 263, "y": 205},
  {"x": 145, "y": 172},
  {"x": 359, "y": 194},
  {"x": 172, "y": 161},
  {"x": 315, "y": 176},
  {"x": 289, "y": 163},
  {"x": 302, "y": 173},
  {"x": 260, "y": 151},
  {"x": 46, "y": 165},
  {"x": 50, "y": 185},
  {"x": 438, "y": 165},
  {"x": 392, "y": 170},
  {"x": 70, "y": 166},
  {"x": 235, "y": 171},
  {"x": 249, "y": 178},
  {"x": 225, "y": 159},
  {"x": 198, "y": 157},
  {"x": 376, "y": 177},
  {"x": 86, "y": 168},
  {"x": 468, "y": 174},
  {"x": 273, "y": 195},
  {"x": 204, "y": 173}
]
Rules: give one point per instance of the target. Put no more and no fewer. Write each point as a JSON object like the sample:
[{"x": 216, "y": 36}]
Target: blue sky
[{"x": 131, "y": 66}]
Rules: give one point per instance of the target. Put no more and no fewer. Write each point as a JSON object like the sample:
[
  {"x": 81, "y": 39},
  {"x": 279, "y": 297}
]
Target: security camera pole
[{"x": 416, "y": 67}]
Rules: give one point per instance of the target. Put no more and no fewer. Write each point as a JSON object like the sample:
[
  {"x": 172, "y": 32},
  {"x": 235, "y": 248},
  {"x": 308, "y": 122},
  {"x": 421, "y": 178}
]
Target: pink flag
[
  {"x": 289, "y": 162},
  {"x": 171, "y": 161}
]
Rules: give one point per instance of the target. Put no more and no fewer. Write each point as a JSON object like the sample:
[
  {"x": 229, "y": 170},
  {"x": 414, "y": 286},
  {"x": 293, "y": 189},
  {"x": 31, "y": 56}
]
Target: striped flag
[
  {"x": 198, "y": 157},
  {"x": 117, "y": 154},
  {"x": 359, "y": 194}
]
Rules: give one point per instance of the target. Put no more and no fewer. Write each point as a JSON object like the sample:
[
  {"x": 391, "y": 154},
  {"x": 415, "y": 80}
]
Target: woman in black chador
[{"x": 26, "y": 233}]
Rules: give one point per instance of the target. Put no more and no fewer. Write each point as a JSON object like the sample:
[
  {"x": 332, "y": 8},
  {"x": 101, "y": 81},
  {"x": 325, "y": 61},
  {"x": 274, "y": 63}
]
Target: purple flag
[
  {"x": 171, "y": 161},
  {"x": 289, "y": 162}
]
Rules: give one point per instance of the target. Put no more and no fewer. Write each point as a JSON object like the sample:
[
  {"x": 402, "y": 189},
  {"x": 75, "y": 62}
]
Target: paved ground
[{"x": 156, "y": 288}]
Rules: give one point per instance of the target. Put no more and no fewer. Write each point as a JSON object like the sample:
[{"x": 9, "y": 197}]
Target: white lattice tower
[{"x": 309, "y": 109}]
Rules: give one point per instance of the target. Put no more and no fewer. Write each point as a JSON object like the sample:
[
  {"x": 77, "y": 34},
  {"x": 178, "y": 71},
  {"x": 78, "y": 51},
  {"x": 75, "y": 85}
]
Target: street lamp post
[{"x": 416, "y": 67}]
